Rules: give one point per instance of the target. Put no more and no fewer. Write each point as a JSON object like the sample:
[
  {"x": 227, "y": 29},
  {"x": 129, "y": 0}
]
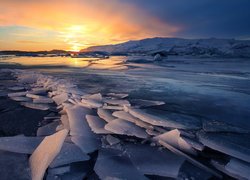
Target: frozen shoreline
[{"x": 93, "y": 118}]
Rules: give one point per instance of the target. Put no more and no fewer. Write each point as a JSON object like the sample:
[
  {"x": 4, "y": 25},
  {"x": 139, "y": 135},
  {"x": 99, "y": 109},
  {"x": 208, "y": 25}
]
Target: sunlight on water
[{"x": 113, "y": 63}]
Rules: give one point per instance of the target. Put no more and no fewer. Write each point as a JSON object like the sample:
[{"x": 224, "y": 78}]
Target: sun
[{"x": 73, "y": 36}]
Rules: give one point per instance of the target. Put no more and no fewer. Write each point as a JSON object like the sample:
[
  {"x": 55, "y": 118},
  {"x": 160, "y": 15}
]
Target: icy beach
[{"x": 75, "y": 118}]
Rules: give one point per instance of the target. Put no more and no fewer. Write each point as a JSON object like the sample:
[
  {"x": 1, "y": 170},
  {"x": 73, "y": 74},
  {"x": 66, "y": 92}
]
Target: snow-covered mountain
[{"x": 177, "y": 46}]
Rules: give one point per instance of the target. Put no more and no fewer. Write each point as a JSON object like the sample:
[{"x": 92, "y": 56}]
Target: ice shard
[
  {"x": 173, "y": 138},
  {"x": 236, "y": 145},
  {"x": 165, "y": 119},
  {"x": 97, "y": 125},
  {"x": 112, "y": 164},
  {"x": 61, "y": 98},
  {"x": 43, "y": 107},
  {"x": 68, "y": 154},
  {"x": 123, "y": 127},
  {"x": 20, "y": 144},
  {"x": 45, "y": 153},
  {"x": 105, "y": 114},
  {"x": 239, "y": 168},
  {"x": 48, "y": 129},
  {"x": 152, "y": 161}
]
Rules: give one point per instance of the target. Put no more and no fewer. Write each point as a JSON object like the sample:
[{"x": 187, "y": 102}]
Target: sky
[{"x": 76, "y": 24}]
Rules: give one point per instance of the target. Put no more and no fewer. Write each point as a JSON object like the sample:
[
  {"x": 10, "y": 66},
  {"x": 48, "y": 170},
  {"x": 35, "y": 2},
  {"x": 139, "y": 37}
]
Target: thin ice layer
[
  {"x": 152, "y": 161},
  {"x": 111, "y": 164}
]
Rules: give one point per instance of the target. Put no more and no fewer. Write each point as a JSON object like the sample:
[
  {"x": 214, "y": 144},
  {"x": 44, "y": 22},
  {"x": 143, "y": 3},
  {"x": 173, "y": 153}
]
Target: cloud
[{"x": 100, "y": 21}]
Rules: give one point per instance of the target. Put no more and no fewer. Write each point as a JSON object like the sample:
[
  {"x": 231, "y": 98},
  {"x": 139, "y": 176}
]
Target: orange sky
[{"x": 74, "y": 24}]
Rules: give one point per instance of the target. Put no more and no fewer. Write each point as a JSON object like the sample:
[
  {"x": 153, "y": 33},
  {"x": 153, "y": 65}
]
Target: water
[{"x": 210, "y": 89}]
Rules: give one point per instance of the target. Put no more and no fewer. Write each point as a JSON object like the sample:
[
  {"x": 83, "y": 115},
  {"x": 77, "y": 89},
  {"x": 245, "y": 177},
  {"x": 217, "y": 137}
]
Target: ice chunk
[
  {"x": 194, "y": 143},
  {"x": 22, "y": 99},
  {"x": 145, "y": 103},
  {"x": 43, "y": 107},
  {"x": 239, "y": 168},
  {"x": 117, "y": 102},
  {"x": 124, "y": 115},
  {"x": 97, "y": 125},
  {"x": 86, "y": 144},
  {"x": 173, "y": 138},
  {"x": 92, "y": 103},
  {"x": 112, "y": 140},
  {"x": 61, "y": 98},
  {"x": 190, "y": 159},
  {"x": 97, "y": 97},
  {"x": 17, "y": 94},
  {"x": 20, "y": 144},
  {"x": 43, "y": 100},
  {"x": 162, "y": 118},
  {"x": 65, "y": 121},
  {"x": 123, "y": 127},
  {"x": 16, "y": 88},
  {"x": 150, "y": 160},
  {"x": 112, "y": 107},
  {"x": 47, "y": 129},
  {"x": 69, "y": 153},
  {"x": 105, "y": 114},
  {"x": 152, "y": 132},
  {"x": 117, "y": 95},
  {"x": 77, "y": 121},
  {"x": 34, "y": 96},
  {"x": 45, "y": 153},
  {"x": 112, "y": 164},
  {"x": 236, "y": 145},
  {"x": 59, "y": 170}
]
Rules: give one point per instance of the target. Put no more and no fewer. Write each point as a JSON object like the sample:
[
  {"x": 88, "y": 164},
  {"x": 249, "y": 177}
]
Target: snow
[{"x": 45, "y": 153}]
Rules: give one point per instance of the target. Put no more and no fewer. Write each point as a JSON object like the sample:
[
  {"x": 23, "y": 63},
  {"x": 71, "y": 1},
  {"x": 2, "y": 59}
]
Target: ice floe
[
  {"x": 105, "y": 114},
  {"x": 43, "y": 107}
]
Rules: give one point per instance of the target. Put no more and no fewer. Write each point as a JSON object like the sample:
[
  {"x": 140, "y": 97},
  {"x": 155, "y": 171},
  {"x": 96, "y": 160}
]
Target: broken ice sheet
[
  {"x": 112, "y": 140},
  {"x": 17, "y": 94},
  {"x": 92, "y": 103},
  {"x": 239, "y": 168},
  {"x": 152, "y": 161},
  {"x": 166, "y": 119},
  {"x": 123, "y": 127},
  {"x": 45, "y": 153},
  {"x": 61, "y": 98},
  {"x": 117, "y": 95},
  {"x": 86, "y": 144},
  {"x": 42, "y": 107},
  {"x": 112, "y": 164},
  {"x": 97, "y": 124},
  {"x": 236, "y": 145},
  {"x": 117, "y": 102},
  {"x": 77, "y": 121},
  {"x": 22, "y": 99},
  {"x": 125, "y": 116},
  {"x": 68, "y": 154},
  {"x": 173, "y": 138},
  {"x": 48, "y": 129},
  {"x": 20, "y": 144},
  {"x": 105, "y": 114}
]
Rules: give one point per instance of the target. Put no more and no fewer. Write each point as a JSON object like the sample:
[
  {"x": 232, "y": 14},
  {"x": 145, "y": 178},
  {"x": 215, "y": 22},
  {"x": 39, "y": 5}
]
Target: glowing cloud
[{"x": 77, "y": 24}]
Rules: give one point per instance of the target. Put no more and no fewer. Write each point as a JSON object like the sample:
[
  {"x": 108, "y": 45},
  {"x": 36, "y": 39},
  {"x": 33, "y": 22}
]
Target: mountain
[{"x": 177, "y": 46}]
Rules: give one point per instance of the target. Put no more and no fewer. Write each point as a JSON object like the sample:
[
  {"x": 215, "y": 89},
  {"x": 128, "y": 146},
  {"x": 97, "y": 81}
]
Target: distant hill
[
  {"x": 177, "y": 46},
  {"x": 33, "y": 53}
]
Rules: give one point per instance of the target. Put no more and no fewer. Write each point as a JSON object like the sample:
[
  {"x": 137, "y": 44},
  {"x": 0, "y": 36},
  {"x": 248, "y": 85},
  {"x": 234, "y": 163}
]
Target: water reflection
[{"x": 115, "y": 63}]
